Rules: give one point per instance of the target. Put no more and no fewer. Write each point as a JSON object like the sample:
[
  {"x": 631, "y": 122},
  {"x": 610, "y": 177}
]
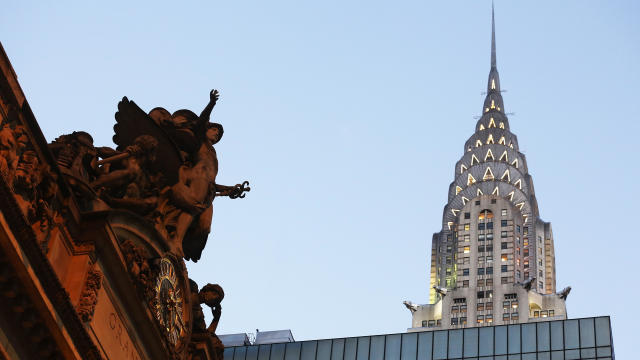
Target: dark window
[
  {"x": 503, "y": 268},
  {"x": 493, "y": 201},
  {"x": 489, "y": 271},
  {"x": 480, "y": 294},
  {"x": 449, "y": 237},
  {"x": 424, "y": 323},
  {"x": 489, "y": 306},
  {"x": 465, "y": 272},
  {"x": 525, "y": 230},
  {"x": 490, "y": 225},
  {"x": 467, "y": 215},
  {"x": 463, "y": 320},
  {"x": 526, "y": 252},
  {"x": 480, "y": 271},
  {"x": 477, "y": 202},
  {"x": 459, "y": 300},
  {"x": 488, "y": 293},
  {"x": 505, "y": 280},
  {"x": 489, "y": 248},
  {"x": 432, "y": 323},
  {"x": 518, "y": 228},
  {"x": 480, "y": 248},
  {"x": 504, "y": 245},
  {"x": 489, "y": 282},
  {"x": 465, "y": 283},
  {"x": 480, "y": 307},
  {"x": 503, "y": 223},
  {"x": 505, "y": 317},
  {"x": 480, "y": 226},
  {"x": 454, "y": 321}
]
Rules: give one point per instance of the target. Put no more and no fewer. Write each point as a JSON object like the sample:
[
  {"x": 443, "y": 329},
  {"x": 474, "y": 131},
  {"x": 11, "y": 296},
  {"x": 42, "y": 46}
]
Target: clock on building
[{"x": 170, "y": 309}]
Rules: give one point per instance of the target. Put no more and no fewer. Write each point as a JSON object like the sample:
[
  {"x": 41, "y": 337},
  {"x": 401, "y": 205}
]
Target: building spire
[
  {"x": 493, "y": 38},
  {"x": 494, "y": 98}
]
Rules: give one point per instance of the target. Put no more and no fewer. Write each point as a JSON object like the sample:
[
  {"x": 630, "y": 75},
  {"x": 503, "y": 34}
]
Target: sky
[{"x": 347, "y": 118}]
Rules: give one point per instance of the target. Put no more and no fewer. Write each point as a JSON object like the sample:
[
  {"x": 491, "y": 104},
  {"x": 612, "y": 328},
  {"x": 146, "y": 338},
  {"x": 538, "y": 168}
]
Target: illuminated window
[
  {"x": 462, "y": 168},
  {"x": 488, "y": 306},
  {"x": 515, "y": 163},
  {"x": 479, "y": 192},
  {"x": 518, "y": 183},
  {"x": 526, "y": 264},
  {"x": 470, "y": 180},
  {"x": 501, "y": 125},
  {"x": 507, "y": 175},
  {"x": 489, "y": 155},
  {"x": 504, "y": 212},
  {"x": 489, "y": 282},
  {"x": 454, "y": 309},
  {"x": 511, "y": 145},
  {"x": 489, "y": 318},
  {"x": 458, "y": 189},
  {"x": 478, "y": 143},
  {"x": 463, "y": 320},
  {"x": 486, "y": 109},
  {"x": 505, "y": 317},
  {"x": 503, "y": 234},
  {"x": 466, "y": 251},
  {"x": 492, "y": 123},
  {"x": 455, "y": 212},
  {"x": 480, "y": 307},
  {"x": 488, "y": 174},
  {"x": 514, "y": 316},
  {"x": 474, "y": 159},
  {"x": 493, "y": 84},
  {"x": 520, "y": 205},
  {"x": 481, "y": 127},
  {"x": 510, "y": 195},
  {"x": 502, "y": 141},
  {"x": 480, "y": 319},
  {"x": 490, "y": 139},
  {"x": 536, "y": 314},
  {"x": 495, "y": 191},
  {"x": 493, "y": 104},
  {"x": 504, "y": 156},
  {"x": 504, "y": 257},
  {"x": 466, "y": 227}
]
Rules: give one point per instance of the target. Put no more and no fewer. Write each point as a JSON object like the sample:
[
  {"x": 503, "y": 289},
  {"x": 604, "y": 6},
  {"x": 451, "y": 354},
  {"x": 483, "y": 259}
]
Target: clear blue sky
[{"x": 348, "y": 118}]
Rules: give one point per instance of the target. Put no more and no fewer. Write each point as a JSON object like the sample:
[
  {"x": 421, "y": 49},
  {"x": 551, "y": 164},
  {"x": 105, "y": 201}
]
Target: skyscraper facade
[{"x": 493, "y": 261}]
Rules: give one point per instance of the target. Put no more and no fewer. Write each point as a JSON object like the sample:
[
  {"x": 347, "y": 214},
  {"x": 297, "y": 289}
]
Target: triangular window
[
  {"x": 520, "y": 205},
  {"x": 493, "y": 84},
  {"x": 479, "y": 192},
  {"x": 458, "y": 189},
  {"x": 488, "y": 174},
  {"x": 455, "y": 212},
  {"x": 511, "y": 195},
  {"x": 462, "y": 168},
  {"x": 489, "y": 155},
  {"x": 491, "y": 123},
  {"x": 481, "y": 127},
  {"x": 464, "y": 200},
  {"x": 501, "y": 126},
  {"x": 470, "y": 180},
  {"x": 490, "y": 139},
  {"x": 506, "y": 175},
  {"x": 515, "y": 163},
  {"x": 493, "y": 104},
  {"x": 496, "y": 191},
  {"x": 504, "y": 156},
  {"x": 518, "y": 183},
  {"x": 478, "y": 143},
  {"x": 502, "y": 141},
  {"x": 474, "y": 160}
]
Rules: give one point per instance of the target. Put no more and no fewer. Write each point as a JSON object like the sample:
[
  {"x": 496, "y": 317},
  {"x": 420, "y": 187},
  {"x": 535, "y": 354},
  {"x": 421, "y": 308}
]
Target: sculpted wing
[{"x": 131, "y": 122}]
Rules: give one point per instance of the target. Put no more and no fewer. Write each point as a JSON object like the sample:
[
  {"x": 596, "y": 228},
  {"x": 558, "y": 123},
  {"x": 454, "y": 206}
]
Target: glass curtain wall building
[{"x": 588, "y": 338}]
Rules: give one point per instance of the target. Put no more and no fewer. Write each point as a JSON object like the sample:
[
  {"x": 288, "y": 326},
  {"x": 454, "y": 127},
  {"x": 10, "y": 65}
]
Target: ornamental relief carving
[{"x": 89, "y": 296}]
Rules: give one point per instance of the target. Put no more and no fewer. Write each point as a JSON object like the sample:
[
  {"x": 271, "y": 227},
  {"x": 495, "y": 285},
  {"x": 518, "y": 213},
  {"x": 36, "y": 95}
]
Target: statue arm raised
[{"x": 205, "y": 115}]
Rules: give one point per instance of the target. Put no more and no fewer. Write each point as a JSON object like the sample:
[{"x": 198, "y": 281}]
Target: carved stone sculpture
[
  {"x": 89, "y": 296},
  {"x": 164, "y": 168},
  {"x": 210, "y": 295}
]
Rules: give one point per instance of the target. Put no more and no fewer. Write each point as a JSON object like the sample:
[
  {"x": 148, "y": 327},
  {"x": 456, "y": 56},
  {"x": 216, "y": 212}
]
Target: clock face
[{"x": 169, "y": 304}]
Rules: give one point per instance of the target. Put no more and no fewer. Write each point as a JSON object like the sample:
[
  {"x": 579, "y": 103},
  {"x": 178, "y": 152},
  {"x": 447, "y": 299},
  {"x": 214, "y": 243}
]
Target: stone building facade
[
  {"x": 93, "y": 241},
  {"x": 493, "y": 261}
]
